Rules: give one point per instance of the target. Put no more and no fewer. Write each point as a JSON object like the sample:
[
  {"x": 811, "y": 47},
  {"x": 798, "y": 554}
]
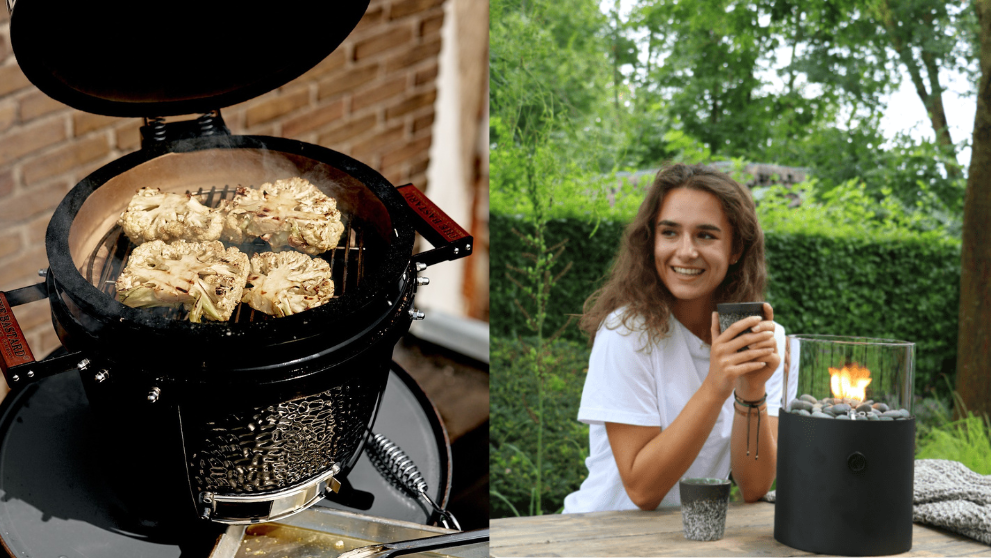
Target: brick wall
[{"x": 373, "y": 99}]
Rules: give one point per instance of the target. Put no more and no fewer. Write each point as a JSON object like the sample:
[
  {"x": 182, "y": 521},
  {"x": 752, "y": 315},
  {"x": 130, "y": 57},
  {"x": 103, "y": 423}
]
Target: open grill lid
[{"x": 166, "y": 58}]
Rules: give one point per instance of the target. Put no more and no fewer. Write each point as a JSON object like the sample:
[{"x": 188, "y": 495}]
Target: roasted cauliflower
[
  {"x": 154, "y": 215},
  {"x": 203, "y": 277},
  {"x": 290, "y": 212},
  {"x": 286, "y": 283}
]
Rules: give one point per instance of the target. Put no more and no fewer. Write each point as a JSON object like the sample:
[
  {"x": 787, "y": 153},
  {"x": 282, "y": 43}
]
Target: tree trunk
[{"x": 974, "y": 348}]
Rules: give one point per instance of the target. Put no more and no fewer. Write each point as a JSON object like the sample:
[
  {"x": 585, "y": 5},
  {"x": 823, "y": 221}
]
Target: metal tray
[{"x": 329, "y": 533}]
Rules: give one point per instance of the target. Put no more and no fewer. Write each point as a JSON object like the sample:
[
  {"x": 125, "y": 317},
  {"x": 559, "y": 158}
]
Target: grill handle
[
  {"x": 450, "y": 241},
  {"x": 16, "y": 359}
]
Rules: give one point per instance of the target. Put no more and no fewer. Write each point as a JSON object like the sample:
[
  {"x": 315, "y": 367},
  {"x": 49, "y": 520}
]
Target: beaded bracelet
[{"x": 752, "y": 405}]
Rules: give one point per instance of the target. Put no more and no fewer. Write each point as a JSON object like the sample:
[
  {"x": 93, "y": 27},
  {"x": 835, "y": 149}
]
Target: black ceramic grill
[
  {"x": 255, "y": 418},
  {"x": 279, "y": 445}
]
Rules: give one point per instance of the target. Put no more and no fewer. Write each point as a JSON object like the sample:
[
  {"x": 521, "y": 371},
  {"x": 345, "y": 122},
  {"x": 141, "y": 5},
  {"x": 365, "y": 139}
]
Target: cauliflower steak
[
  {"x": 286, "y": 283},
  {"x": 290, "y": 212},
  {"x": 203, "y": 277},
  {"x": 155, "y": 215}
]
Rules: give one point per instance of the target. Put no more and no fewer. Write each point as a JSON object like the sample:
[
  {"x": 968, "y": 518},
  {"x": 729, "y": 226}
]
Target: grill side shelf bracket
[
  {"x": 450, "y": 241},
  {"x": 16, "y": 359}
]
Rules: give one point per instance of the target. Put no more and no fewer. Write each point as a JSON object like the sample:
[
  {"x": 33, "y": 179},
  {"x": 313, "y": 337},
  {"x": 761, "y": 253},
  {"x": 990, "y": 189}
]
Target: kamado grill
[
  {"x": 253, "y": 419},
  {"x": 846, "y": 446}
]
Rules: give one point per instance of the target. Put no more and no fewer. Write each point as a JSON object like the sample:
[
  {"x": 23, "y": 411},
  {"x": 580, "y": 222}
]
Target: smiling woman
[
  {"x": 667, "y": 393},
  {"x": 693, "y": 250}
]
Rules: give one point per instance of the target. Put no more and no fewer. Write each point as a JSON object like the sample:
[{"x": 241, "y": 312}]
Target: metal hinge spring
[{"x": 388, "y": 456}]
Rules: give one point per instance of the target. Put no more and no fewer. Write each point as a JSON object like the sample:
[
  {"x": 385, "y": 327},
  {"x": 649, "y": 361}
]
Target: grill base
[
  {"x": 844, "y": 488},
  {"x": 65, "y": 494}
]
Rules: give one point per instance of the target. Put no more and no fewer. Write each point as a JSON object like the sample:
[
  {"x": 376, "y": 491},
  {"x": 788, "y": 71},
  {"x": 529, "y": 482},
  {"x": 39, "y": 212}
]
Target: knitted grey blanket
[{"x": 950, "y": 496}]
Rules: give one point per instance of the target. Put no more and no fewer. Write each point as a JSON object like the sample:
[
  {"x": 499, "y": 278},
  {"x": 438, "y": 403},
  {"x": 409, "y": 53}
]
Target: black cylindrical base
[{"x": 845, "y": 487}]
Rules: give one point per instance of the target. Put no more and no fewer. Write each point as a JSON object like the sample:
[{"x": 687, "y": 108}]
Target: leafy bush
[{"x": 514, "y": 422}]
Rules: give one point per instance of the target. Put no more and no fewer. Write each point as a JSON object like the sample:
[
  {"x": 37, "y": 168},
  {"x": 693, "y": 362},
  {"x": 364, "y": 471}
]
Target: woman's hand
[
  {"x": 751, "y": 386},
  {"x": 745, "y": 371}
]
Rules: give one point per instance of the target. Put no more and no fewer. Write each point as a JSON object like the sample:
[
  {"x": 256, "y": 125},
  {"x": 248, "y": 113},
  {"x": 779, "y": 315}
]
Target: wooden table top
[{"x": 749, "y": 531}]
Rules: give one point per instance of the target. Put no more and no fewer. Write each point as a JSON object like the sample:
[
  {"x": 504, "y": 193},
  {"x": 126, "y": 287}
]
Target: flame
[{"x": 851, "y": 381}]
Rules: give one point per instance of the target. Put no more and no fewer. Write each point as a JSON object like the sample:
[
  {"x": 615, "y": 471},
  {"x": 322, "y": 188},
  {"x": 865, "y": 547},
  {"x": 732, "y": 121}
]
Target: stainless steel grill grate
[{"x": 346, "y": 260}]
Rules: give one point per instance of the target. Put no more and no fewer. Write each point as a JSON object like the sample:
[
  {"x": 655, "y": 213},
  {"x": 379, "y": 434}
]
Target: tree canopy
[{"x": 791, "y": 82}]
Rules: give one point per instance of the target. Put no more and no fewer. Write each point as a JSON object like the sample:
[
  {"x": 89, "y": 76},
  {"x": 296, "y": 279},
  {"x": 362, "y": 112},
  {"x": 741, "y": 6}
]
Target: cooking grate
[{"x": 346, "y": 260}]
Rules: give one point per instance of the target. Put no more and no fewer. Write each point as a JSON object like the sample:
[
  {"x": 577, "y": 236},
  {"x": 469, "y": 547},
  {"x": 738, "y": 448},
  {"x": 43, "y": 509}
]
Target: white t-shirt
[{"x": 629, "y": 384}]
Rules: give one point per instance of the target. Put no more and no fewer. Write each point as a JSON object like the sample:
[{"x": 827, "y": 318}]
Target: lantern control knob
[{"x": 857, "y": 462}]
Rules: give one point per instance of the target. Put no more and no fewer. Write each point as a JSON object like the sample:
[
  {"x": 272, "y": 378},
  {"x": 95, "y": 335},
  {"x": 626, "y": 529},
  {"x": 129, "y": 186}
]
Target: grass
[{"x": 967, "y": 439}]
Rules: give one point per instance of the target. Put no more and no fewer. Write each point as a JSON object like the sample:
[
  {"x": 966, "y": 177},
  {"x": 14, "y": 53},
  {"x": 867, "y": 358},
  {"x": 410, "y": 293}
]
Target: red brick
[
  {"x": 37, "y": 228},
  {"x": 64, "y": 159},
  {"x": 392, "y": 38},
  {"x": 410, "y": 104},
  {"x": 10, "y": 243},
  {"x": 377, "y": 142},
  {"x": 426, "y": 75},
  {"x": 4, "y": 46},
  {"x": 82, "y": 172},
  {"x": 267, "y": 130},
  {"x": 419, "y": 179},
  {"x": 409, "y": 7},
  {"x": 8, "y": 114},
  {"x": 420, "y": 166},
  {"x": 334, "y": 61},
  {"x": 129, "y": 135},
  {"x": 36, "y": 104},
  {"x": 84, "y": 122},
  {"x": 372, "y": 17},
  {"x": 406, "y": 152},
  {"x": 6, "y": 182},
  {"x": 412, "y": 56},
  {"x": 29, "y": 203},
  {"x": 341, "y": 83},
  {"x": 313, "y": 119},
  {"x": 31, "y": 138},
  {"x": 395, "y": 176},
  {"x": 347, "y": 130},
  {"x": 12, "y": 79},
  {"x": 424, "y": 122},
  {"x": 274, "y": 107},
  {"x": 432, "y": 25},
  {"x": 378, "y": 92},
  {"x": 22, "y": 270},
  {"x": 31, "y": 316}
]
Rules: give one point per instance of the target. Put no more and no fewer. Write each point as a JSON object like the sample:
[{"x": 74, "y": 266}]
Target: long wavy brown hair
[{"x": 633, "y": 282}]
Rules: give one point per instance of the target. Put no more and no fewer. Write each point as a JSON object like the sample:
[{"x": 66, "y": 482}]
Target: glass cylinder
[{"x": 855, "y": 370}]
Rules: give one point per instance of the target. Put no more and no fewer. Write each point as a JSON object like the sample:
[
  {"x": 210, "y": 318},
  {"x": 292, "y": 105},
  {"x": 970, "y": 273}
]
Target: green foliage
[
  {"x": 967, "y": 440},
  {"x": 902, "y": 168},
  {"x": 546, "y": 50},
  {"x": 514, "y": 423}
]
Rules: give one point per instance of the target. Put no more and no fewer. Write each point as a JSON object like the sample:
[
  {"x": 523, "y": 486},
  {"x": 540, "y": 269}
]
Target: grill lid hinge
[{"x": 156, "y": 130}]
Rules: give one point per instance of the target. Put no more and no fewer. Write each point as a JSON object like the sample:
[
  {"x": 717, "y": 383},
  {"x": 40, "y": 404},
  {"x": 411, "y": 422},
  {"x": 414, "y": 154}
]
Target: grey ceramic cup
[
  {"x": 730, "y": 313},
  {"x": 703, "y": 508}
]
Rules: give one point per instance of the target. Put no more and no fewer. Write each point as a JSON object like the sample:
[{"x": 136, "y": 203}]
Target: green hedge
[
  {"x": 512, "y": 434},
  {"x": 841, "y": 281}
]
